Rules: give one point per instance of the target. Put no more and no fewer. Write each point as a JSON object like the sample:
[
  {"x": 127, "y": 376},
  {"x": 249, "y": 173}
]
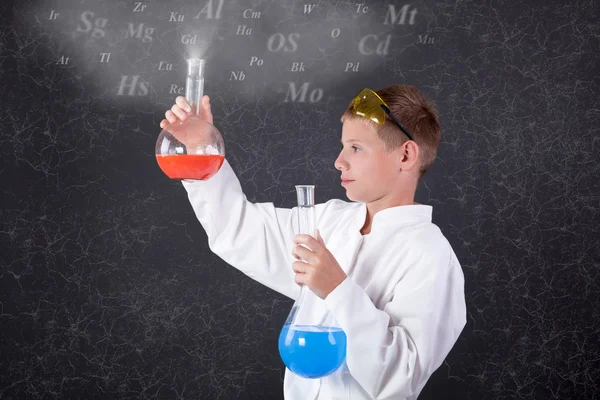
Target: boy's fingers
[
  {"x": 302, "y": 253},
  {"x": 299, "y": 267},
  {"x": 206, "y": 109},
  {"x": 306, "y": 239},
  {"x": 164, "y": 123},
  {"x": 181, "y": 108},
  {"x": 182, "y": 102},
  {"x": 170, "y": 116},
  {"x": 178, "y": 112}
]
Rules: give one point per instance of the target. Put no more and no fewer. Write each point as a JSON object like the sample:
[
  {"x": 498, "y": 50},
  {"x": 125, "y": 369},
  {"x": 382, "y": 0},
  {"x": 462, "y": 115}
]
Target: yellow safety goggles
[{"x": 368, "y": 104}]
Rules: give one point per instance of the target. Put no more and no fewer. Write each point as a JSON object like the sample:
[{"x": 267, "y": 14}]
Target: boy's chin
[
  {"x": 353, "y": 196},
  {"x": 358, "y": 196}
]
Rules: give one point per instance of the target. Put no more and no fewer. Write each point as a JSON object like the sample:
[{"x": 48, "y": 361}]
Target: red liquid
[{"x": 190, "y": 166}]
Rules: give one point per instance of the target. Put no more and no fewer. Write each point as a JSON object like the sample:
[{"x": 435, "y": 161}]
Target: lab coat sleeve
[
  {"x": 255, "y": 238},
  {"x": 392, "y": 352}
]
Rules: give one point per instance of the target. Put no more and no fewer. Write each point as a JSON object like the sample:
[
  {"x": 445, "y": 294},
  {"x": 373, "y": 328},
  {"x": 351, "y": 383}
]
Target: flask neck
[
  {"x": 194, "y": 84},
  {"x": 193, "y": 93},
  {"x": 306, "y": 209}
]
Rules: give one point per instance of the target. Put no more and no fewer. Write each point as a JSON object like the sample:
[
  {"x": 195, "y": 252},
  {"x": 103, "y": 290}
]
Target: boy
[{"x": 385, "y": 272}]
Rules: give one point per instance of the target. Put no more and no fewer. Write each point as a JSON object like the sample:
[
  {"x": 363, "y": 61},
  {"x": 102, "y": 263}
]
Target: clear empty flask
[
  {"x": 311, "y": 344},
  {"x": 193, "y": 149}
]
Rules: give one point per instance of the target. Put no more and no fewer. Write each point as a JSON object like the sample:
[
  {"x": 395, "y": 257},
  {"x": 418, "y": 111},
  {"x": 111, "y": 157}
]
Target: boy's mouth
[{"x": 346, "y": 181}]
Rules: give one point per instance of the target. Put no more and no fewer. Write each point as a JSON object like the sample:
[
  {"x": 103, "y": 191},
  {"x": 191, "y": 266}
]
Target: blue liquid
[{"x": 313, "y": 351}]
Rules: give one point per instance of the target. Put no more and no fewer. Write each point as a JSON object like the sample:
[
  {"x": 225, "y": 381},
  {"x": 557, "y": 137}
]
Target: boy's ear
[{"x": 409, "y": 154}]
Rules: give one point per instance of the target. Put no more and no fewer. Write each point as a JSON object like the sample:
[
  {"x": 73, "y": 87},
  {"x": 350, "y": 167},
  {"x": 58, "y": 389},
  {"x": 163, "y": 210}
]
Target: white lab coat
[{"x": 402, "y": 305}]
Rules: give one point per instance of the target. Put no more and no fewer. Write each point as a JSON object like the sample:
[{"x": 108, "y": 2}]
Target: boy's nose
[{"x": 340, "y": 163}]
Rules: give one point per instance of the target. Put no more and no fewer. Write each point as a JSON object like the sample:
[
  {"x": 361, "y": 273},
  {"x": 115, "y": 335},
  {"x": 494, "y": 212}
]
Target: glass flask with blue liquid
[{"x": 311, "y": 344}]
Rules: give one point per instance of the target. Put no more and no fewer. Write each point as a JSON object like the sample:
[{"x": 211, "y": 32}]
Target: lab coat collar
[{"x": 393, "y": 216}]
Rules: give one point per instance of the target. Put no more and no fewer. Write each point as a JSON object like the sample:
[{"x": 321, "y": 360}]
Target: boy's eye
[{"x": 354, "y": 148}]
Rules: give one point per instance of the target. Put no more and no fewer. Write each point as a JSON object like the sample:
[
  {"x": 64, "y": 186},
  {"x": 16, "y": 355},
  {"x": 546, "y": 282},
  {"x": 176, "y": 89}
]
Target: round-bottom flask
[
  {"x": 193, "y": 149},
  {"x": 311, "y": 344}
]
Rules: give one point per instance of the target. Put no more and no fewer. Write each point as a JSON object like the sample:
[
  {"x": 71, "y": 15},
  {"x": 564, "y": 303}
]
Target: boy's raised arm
[{"x": 255, "y": 238}]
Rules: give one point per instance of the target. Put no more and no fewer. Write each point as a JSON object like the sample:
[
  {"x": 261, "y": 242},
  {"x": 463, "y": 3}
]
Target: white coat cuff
[{"x": 338, "y": 298}]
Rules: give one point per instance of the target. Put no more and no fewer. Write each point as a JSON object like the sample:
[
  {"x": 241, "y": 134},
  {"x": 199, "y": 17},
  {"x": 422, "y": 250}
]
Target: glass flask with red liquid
[
  {"x": 192, "y": 149},
  {"x": 311, "y": 343}
]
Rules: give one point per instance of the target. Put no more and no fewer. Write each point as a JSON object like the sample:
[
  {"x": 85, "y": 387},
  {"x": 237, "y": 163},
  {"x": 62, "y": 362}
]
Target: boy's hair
[{"x": 416, "y": 113}]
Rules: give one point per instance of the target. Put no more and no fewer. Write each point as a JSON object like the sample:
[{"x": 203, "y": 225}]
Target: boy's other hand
[
  {"x": 320, "y": 270},
  {"x": 181, "y": 109}
]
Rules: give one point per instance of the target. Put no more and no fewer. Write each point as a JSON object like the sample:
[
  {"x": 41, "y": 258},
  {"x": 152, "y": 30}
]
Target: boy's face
[{"x": 369, "y": 172}]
